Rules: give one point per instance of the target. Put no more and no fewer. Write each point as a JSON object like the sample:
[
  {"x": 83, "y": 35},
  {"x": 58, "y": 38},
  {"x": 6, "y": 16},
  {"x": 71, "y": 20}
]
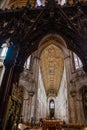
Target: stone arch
[
  {"x": 54, "y": 39},
  {"x": 73, "y": 41}
]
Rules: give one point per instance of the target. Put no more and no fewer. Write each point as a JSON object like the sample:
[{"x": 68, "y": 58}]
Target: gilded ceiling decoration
[
  {"x": 52, "y": 63},
  {"x": 20, "y": 3},
  {"x": 17, "y": 3}
]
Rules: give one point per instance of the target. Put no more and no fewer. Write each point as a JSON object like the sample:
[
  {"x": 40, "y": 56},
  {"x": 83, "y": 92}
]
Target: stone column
[
  {"x": 25, "y": 106},
  {"x": 7, "y": 80},
  {"x": 73, "y": 94},
  {"x": 80, "y": 112},
  {"x": 36, "y": 61},
  {"x": 31, "y": 92},
  {"x": 30, "y": 106},
  {"x": 67, "y": 63}
]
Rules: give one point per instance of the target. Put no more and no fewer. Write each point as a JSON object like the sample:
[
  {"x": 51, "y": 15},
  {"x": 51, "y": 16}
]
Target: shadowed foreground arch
[
  {"x": 74, "y": 44},
  {"x": 29, "y": 25}
]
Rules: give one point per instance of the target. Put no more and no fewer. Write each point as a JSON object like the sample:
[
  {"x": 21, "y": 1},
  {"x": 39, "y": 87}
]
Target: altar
[
  {"x": 57, "y": 125},
  {"x": 51, "y": 125}
]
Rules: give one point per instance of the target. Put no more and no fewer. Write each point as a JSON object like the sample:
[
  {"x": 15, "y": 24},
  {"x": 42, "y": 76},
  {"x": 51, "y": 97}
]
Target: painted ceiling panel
[
  {"x": 17, "y": 3},
  {"x": 20, "y": 3},
  {"x": 52, "y": 63}
]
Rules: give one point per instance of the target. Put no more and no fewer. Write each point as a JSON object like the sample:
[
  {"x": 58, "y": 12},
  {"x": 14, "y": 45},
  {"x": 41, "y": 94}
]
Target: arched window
[
  {"x": 52, "y": 104},
  {"x": 27, "y": 63},
  {"x": 39, "y": 3},
  {"x": 62, "y": 2},
  {"x": 77, "y": 62},
  {"x": 4, "y": 50}
]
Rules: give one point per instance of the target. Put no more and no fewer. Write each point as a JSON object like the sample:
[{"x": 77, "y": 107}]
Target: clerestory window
[
  {"x": 27, "y": 63},
  {"x": 77, "y": 62}
]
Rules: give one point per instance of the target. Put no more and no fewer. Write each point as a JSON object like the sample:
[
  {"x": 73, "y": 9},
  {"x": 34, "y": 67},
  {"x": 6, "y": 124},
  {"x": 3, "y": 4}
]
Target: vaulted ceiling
[
  {"x": 17, "y": 3},
  {"x": 20, "y": 3},
  {"x": 27, "y": 26},
  {"x": 52, "y": 63}
]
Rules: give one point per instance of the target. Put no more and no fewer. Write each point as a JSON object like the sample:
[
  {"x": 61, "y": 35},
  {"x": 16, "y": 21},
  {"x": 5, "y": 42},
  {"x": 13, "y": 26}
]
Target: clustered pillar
[{"x": 35, "y": 71}]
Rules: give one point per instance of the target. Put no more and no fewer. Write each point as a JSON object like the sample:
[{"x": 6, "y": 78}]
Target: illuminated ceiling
[
  {"x": 17, "y": 3},
  {"x": 52, "y": 64},
  {"x": 20, "y": 3}
]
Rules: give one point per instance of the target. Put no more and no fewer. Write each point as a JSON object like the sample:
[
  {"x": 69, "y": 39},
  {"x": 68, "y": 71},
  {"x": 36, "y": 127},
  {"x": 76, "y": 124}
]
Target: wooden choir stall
[{"x": 57, "y": 125}]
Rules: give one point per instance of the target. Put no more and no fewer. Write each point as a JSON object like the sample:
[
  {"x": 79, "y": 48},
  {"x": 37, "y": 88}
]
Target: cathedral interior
[{"x": 43, "y": 64}]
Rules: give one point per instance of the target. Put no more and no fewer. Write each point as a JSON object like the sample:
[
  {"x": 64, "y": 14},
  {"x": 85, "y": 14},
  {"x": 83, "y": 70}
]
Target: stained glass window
[
  {"x": 52, "y": 105},
  {"x": 77, "y": 62},
  {"x": 27, "y": 63},
  {"x": 39, "y": 2},
  {"x": 4, "y": 51}
]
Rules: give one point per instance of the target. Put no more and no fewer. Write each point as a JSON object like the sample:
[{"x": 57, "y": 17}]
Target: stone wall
[
  {"x": 61, "y": 106},
  {"x": 76, "y": 79},
  {"x": 79, "y": 80},
  {"x": 3, "y": 3}
]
